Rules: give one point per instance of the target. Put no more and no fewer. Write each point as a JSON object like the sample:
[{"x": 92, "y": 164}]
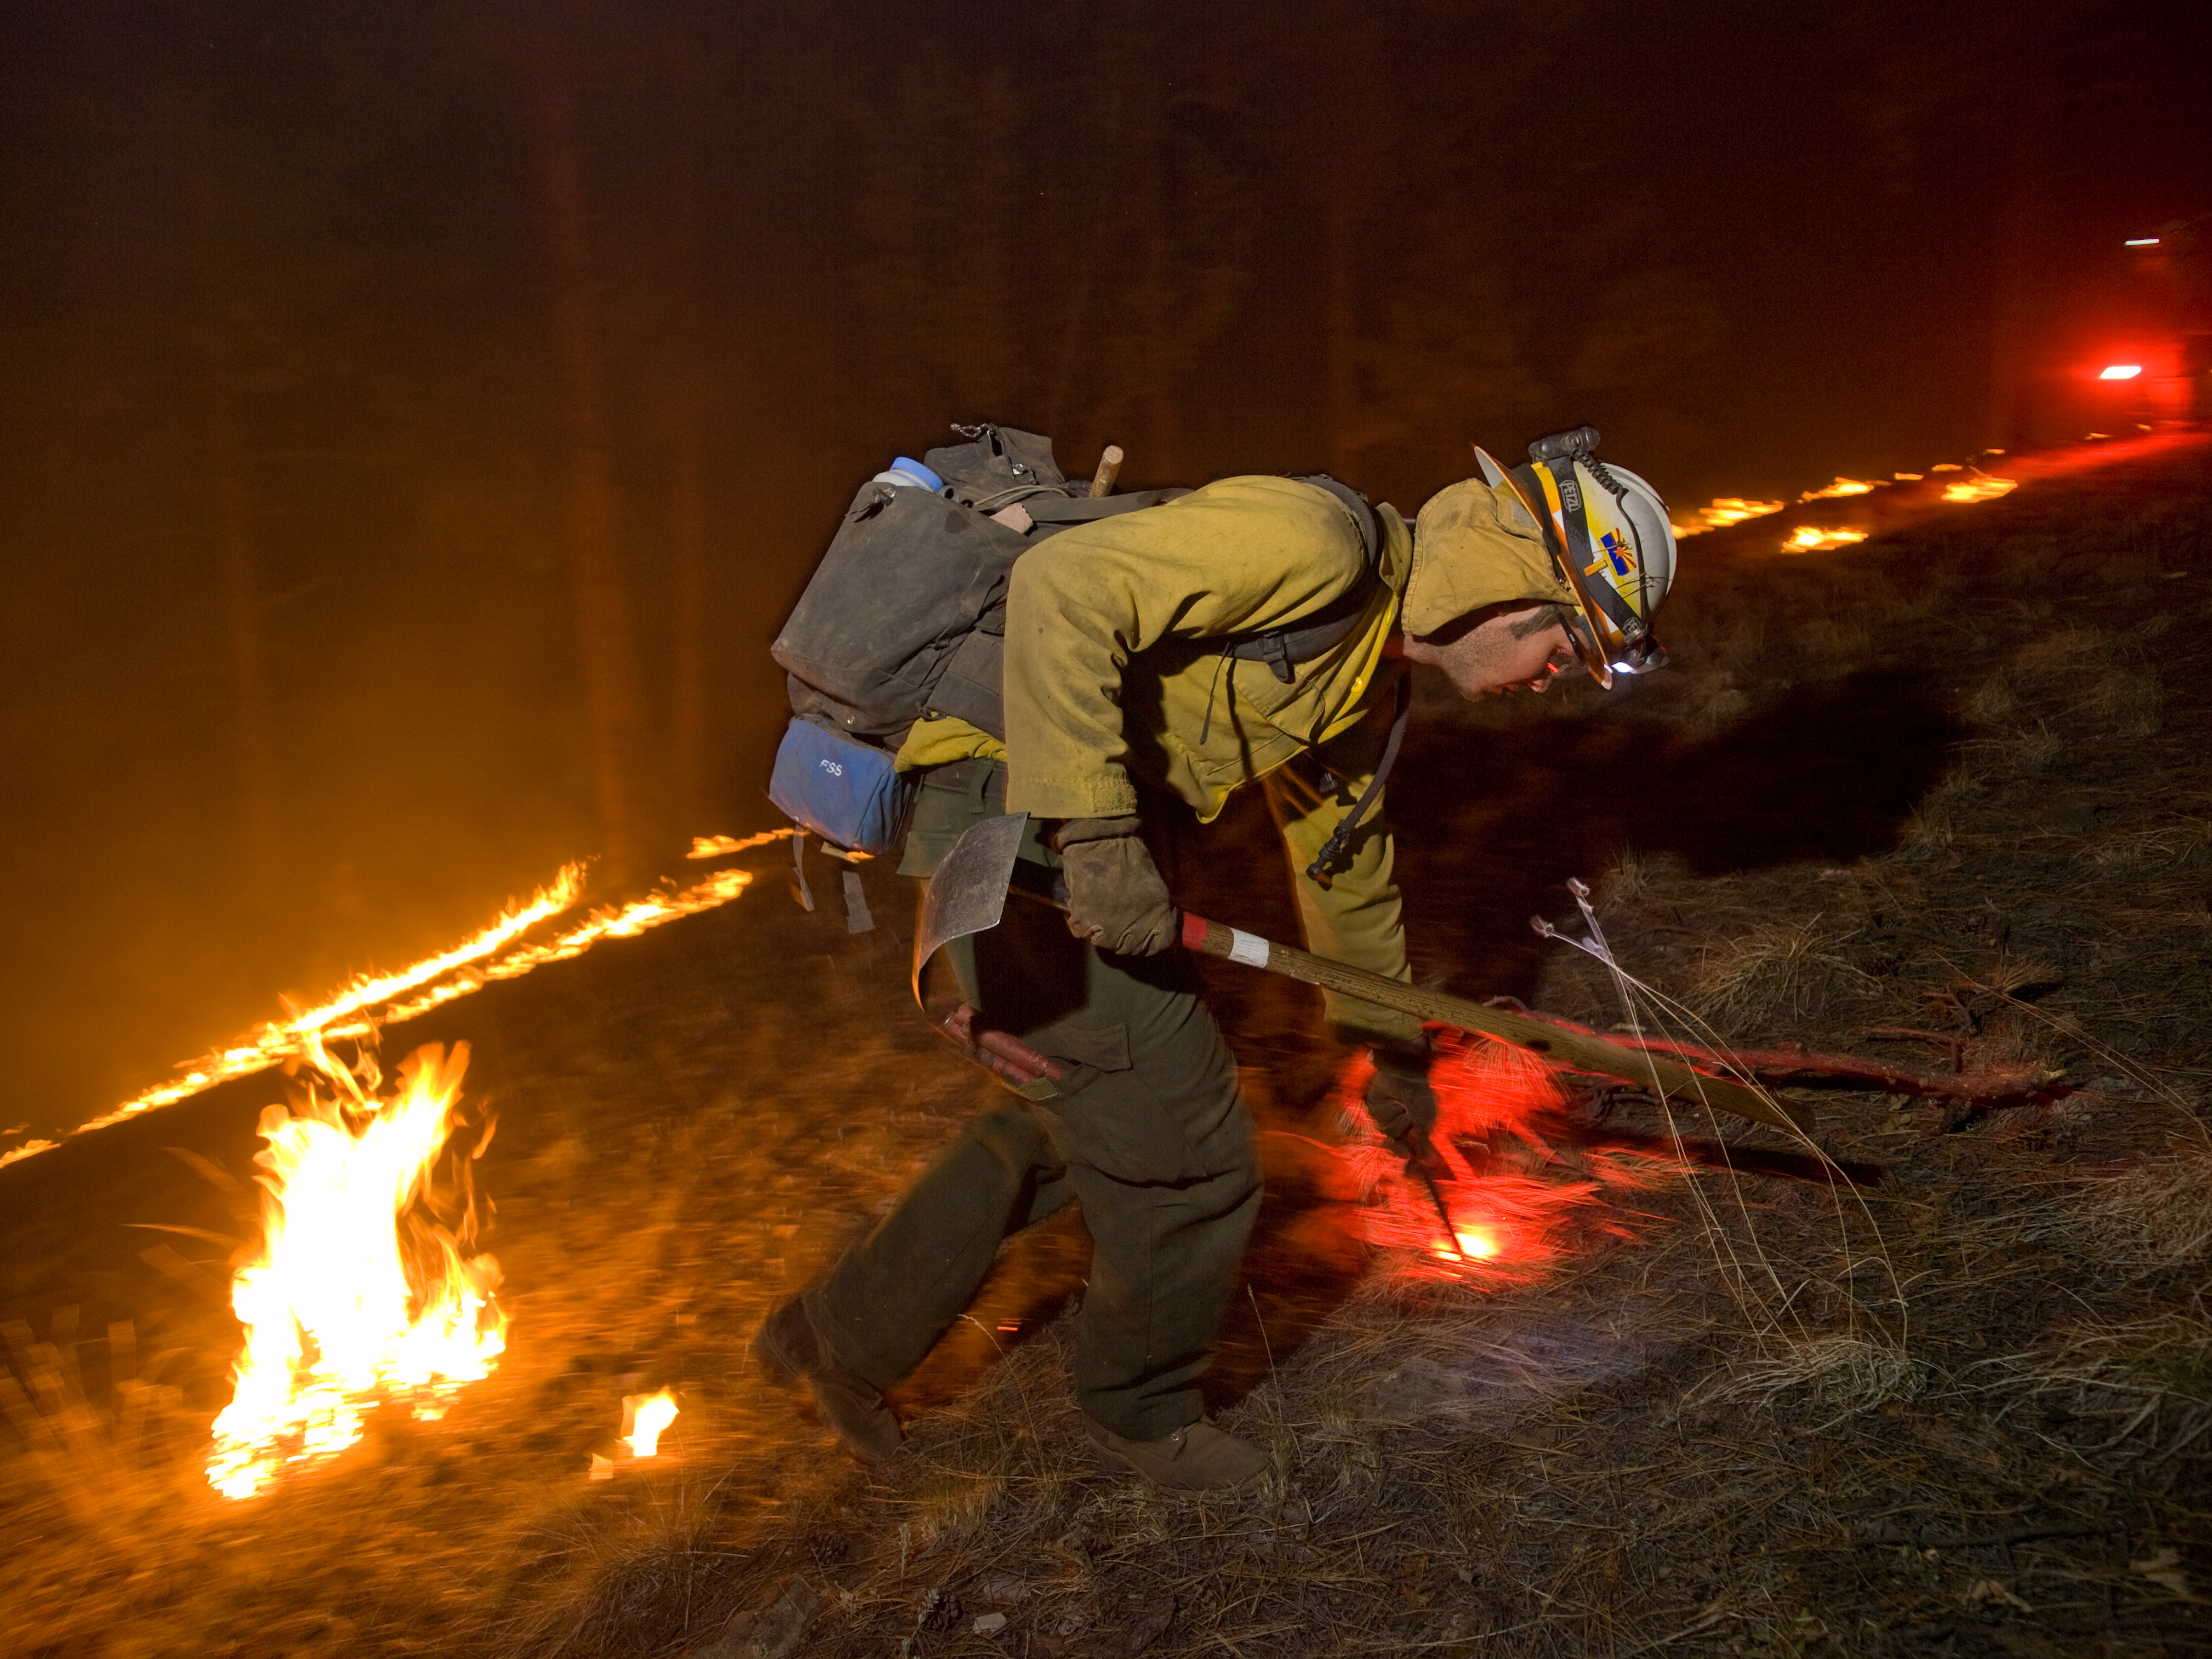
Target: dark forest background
[{"x": 418, "y": 417}]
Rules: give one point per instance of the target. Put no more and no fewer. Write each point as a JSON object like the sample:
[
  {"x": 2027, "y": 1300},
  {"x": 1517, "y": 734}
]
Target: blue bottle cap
[{"x": 926, "y": 479}]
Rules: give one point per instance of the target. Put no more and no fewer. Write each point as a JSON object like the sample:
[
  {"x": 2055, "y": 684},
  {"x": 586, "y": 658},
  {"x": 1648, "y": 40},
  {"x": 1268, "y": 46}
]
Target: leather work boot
[
  {"x": 789, "y": 1350},
  {"x": 1199, "y": 1458}
]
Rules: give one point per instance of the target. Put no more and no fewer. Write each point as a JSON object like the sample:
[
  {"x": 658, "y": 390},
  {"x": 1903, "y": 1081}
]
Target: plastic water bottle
[{"x": 907, "y": 473}]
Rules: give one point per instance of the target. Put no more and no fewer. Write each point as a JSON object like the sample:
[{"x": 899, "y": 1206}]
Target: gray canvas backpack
[{"x": 906, "y": 615}]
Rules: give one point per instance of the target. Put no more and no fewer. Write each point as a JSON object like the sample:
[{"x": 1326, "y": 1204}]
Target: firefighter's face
[{"x": 1505, "y": 648}]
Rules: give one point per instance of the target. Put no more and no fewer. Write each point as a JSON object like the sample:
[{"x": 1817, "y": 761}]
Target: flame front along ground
[
  {"x": 1812, "y": 539},
  {"x": 376, "y": 1001},
  {"x": 356, "y": 1295}
]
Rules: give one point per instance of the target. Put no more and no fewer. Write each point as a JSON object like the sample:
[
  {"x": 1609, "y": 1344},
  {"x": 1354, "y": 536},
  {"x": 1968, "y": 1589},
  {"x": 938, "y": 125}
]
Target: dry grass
[
  {"x": 2157, "y": 1212},
  {"x": 2148, "y": 1382},
  {"x": 1774, "y": 976},
  {"x": 1958, "y": 1407},
  {"x": 1838, "y": 1372}
]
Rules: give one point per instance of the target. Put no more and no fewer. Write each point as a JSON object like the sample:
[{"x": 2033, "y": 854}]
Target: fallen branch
[{"x": 1793, "y": 1066}]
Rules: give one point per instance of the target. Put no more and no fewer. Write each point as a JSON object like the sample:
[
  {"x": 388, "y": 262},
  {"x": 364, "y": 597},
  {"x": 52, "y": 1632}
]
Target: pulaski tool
[{"x": 968, "y": 895}]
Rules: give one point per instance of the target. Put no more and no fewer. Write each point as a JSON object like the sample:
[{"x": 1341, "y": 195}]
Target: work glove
[
  {"x": 1116, "y": 898},
  {"x": 1403, "y": 1103}
]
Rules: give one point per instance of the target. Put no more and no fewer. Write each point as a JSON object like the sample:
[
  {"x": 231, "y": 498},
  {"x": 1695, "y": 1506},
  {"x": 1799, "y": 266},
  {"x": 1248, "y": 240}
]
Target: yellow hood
[{"x": 1473, "y": 546}]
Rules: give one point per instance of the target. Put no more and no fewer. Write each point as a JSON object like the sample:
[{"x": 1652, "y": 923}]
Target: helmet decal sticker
[{"x": 1619, "y": 549}]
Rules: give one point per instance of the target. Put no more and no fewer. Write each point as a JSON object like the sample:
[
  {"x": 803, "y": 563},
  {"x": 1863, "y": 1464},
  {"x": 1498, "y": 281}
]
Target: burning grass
[{"x": 1944, "y": 1391}]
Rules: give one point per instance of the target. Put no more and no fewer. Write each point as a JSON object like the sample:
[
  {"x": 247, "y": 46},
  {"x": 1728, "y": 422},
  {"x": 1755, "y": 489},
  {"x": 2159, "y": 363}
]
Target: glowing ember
[
  {"x": 1979, "y": 488},
  {"x": 647, "y": 1417},
  {"x": 1724, "y": 511},
  {"x": 1811, "y": 539},
  {"x": 1841, "y": 487},
  {"x": 355, "y": 1295}
]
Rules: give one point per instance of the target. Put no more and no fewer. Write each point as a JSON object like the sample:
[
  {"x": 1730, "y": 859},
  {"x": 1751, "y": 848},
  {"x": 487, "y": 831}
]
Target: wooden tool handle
[
  {"x": 1109, "y": 468},
  {"x": 1579, "y": 1051}
]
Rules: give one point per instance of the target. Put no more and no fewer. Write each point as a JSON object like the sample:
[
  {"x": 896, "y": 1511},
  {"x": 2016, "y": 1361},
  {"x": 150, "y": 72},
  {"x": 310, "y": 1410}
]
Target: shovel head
[{"x": 968, "y": 893}]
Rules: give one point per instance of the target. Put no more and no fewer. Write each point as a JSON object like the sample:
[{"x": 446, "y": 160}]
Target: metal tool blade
[
  {"x": 968, "y": 893},
  {"x": 1443, "y": 1210}
]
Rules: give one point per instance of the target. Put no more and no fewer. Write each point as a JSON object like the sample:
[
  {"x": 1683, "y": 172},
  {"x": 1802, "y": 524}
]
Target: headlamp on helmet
[{"x": 1609, "y": 536}]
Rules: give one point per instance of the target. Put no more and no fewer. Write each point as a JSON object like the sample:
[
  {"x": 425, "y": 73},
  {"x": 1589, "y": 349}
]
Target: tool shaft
[
  {"x": 1578, "y": 1050},
  {"x": 1109, "y": 468}
]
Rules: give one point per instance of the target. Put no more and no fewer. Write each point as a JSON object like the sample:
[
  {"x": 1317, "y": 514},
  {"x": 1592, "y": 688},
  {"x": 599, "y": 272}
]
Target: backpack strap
[
  {"x": 1331, "y": 856},
  {"x": 1282, "y": 649},
  {"x": 1370, "y": 533}
]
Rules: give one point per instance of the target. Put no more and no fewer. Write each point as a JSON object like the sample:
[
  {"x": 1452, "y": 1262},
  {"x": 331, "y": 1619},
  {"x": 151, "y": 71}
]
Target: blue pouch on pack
[{"x": 847, "y": 791}]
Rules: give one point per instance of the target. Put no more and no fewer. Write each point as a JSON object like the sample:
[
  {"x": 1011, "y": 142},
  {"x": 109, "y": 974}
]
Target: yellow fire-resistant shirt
[{"x": 1108, "y": 674}]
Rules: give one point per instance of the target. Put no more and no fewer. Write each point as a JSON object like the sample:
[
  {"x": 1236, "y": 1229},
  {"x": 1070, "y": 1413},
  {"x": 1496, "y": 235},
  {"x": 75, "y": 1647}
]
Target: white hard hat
[{"x": 1610, "y": 534}]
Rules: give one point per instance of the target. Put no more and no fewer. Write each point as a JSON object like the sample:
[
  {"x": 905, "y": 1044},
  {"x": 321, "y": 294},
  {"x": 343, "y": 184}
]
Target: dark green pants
[{"x": 1146, "y": 1133}]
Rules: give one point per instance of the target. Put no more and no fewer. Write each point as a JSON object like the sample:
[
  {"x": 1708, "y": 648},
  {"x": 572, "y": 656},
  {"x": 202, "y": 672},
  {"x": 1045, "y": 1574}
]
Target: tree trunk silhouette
[
  {"x": 1156, "y": 260},
  {"x": 230, "y": 489},
  {"x": 614, "y": 704},
  {"x": 252, "y": 724},
  {"x": 2021, "y": 235},
  {"x": 688, "y": 494},
  {"x": 688, "y": 603},
  {"x": 1340, "y": 328}
]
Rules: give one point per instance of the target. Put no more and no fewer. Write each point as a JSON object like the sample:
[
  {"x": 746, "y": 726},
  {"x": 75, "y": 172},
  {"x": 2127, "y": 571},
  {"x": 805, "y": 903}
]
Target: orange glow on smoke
[{"x": 355, "y": 1295}]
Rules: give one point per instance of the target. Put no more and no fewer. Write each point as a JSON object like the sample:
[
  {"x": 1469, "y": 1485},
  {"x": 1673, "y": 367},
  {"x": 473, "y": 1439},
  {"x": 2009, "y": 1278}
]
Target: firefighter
[{"x": 1114, "y": 671}]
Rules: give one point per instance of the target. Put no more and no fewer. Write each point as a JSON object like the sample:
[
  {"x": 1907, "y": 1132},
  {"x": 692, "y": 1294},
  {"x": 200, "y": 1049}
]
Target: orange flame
[
  {"x": 715, "y": 846},
  {"x": 1811, "y": 539},
  {"x": 646, "y": 1418},
  {"x": 273, "y": 1043},
  {"x": 1979, "y": 488},
  {"x": 376, "y": 1001},
  {"x": 354, "y": 1297},
  {"x": 1725, "y": 511}
]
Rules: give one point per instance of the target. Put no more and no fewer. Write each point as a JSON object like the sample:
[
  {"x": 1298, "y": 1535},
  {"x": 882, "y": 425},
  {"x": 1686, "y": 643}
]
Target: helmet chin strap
[
  {"x": 1595, "y": 658},
  {"x": 1614, "y": 637}
]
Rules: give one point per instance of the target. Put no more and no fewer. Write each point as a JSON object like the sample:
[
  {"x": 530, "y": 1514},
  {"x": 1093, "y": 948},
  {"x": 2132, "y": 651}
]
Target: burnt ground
[{"x": 1956, "y": 779}]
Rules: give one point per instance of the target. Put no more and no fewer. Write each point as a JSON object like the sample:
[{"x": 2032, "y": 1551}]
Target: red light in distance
[{"x": 2121, "y": 372}]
